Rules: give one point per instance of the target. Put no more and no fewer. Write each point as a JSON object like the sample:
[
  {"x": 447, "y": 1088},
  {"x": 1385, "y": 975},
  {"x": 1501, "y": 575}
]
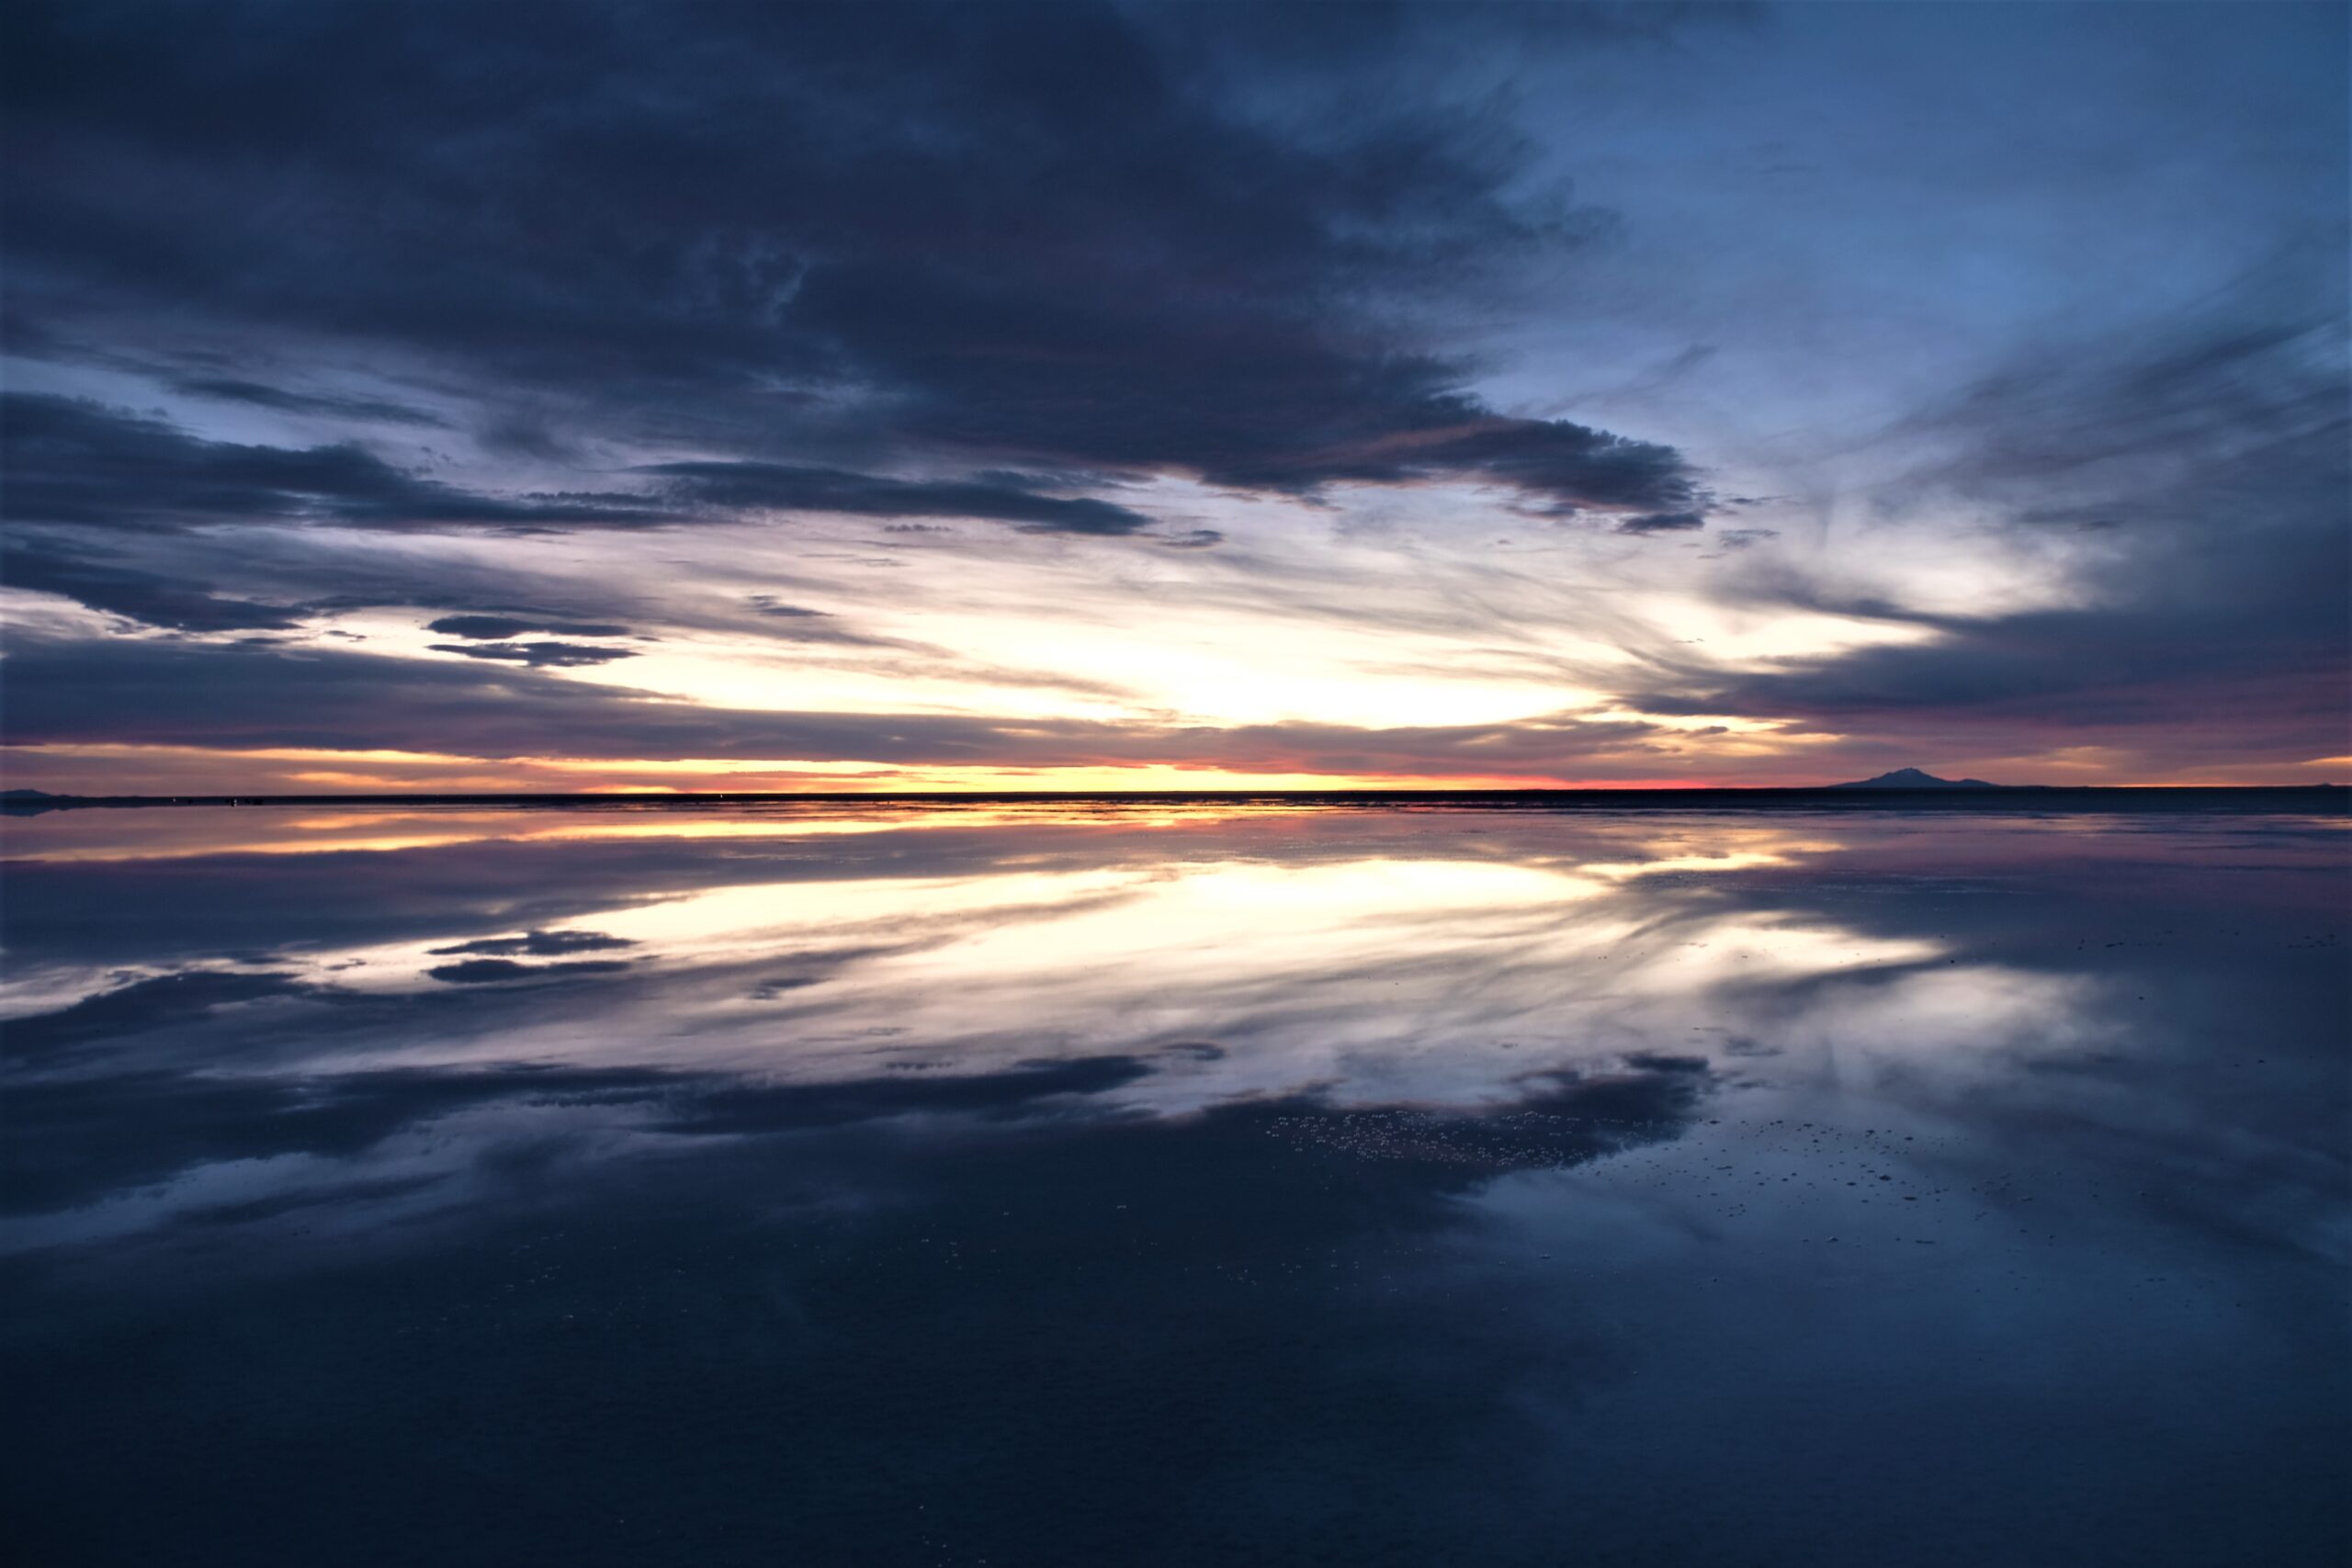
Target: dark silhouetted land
[{"x": 1967, "y": 794}]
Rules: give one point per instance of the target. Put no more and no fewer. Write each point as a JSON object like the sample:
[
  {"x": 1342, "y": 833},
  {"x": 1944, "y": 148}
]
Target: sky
[{"x": 694, "y": 396}]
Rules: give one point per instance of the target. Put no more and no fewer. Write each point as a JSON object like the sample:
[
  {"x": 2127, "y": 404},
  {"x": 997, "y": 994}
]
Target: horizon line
[{"x": 1843, "y": 790}]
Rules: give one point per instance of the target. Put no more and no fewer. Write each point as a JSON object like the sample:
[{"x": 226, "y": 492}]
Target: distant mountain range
[{"x": 1912, "y": 778}]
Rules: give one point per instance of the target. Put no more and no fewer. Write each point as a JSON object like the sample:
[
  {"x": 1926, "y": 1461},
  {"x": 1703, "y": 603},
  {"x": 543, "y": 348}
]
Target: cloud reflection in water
[{"x": 1072, "y": 1185}]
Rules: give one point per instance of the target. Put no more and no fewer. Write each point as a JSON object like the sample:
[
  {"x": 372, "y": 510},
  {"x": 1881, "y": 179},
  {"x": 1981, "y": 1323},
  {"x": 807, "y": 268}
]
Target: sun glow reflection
[{"x": 1302, "y": 944}]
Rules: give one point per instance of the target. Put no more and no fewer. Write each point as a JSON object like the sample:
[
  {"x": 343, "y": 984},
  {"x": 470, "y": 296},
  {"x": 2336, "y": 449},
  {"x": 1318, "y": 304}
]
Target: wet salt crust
[{"x": 1175, "y": 1185}]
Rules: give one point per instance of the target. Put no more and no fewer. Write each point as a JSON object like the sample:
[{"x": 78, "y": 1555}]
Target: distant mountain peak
[{"x": 1912, "y": 778}]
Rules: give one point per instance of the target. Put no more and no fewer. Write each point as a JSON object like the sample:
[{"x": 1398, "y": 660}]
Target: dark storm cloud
[
  {"x": 1056, "y": 236},
  {"x": 537, "y": 655},
  {"x": 171, "y": 581},
  {"x": 739, "y": 487},
  {"x": 499, "y": 971},
  {"x": 539, "y": 945},
  {"x": 156, "y": 598},
  {"x": 231, "y": 388},
  {"x": 73, "y": 461},
  {"x": 1662, "y": 523},
  {"x": 497, "y": 629}
]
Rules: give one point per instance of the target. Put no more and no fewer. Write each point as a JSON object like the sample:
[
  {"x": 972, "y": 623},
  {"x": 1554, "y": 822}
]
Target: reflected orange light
[{"x": 197, "y": 832}]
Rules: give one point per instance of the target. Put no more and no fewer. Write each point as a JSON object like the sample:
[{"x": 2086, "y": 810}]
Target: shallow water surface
[{"x": 1176, "y": 1185}]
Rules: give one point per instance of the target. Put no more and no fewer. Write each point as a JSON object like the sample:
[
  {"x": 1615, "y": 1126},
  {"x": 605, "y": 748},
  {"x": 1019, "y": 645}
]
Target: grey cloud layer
[
  {"x": 751, "y": 486},
  {"x": 75, "y": 462},
  {"x": 782, "y": 232}
]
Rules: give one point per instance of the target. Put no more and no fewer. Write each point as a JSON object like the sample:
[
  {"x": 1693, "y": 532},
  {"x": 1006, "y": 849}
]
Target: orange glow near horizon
[
  {"x": 167, "y": 770},
  {"x": 134, "y": 769}
]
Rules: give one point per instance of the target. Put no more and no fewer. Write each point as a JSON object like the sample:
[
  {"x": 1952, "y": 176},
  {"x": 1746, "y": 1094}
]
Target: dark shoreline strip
[{"x": 2300, "y": 799}]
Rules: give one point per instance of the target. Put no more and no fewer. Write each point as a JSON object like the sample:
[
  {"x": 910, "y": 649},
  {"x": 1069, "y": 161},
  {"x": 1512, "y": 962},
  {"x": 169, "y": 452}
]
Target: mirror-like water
[{"x": 1057, "y": 1186}]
